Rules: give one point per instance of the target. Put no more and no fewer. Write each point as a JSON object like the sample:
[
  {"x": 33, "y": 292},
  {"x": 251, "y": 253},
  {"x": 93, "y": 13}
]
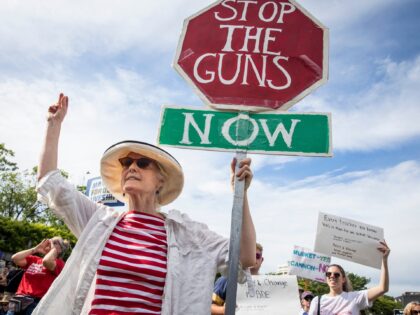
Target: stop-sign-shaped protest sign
[{"x": 253, "y": 54}]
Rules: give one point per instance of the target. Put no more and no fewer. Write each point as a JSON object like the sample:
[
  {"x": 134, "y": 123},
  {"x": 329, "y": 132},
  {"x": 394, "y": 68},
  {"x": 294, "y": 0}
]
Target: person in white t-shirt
[{"x": 341, "y": 300}]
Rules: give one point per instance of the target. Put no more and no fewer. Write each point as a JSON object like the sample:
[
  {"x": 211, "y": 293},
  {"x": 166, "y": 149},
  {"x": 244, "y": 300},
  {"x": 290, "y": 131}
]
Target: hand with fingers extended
[
  {"x": 244, "y": 172},
  {"x": 57, "y": 112}
]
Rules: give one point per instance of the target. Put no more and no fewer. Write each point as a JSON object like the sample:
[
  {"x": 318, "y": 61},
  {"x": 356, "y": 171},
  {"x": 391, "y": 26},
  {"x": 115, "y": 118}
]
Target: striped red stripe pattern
[{"x": 132, "y": 270}]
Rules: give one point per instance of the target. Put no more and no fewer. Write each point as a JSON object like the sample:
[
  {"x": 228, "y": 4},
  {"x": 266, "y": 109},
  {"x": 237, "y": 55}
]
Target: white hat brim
[{"x": 111, "y": 169}]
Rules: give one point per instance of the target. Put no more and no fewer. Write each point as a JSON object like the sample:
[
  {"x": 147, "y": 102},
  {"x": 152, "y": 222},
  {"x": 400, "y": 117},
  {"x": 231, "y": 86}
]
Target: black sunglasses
[
  {"x": 258, "y": 255},
  {"x": 308, "y": 298},
  {"x": 142, "y": 163},
  {"x": 414, "y": 312},
  {"x": 334, "y": 274}
]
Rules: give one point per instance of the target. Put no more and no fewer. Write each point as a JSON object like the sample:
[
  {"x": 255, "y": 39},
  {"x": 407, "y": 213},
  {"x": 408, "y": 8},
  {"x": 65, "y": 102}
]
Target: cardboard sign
[
  {"x": 348, "y": 239},
  {"x": 253, "y": 55},
  {"x": 269, "y": 295},
  {"x": 308, "y": 264}
]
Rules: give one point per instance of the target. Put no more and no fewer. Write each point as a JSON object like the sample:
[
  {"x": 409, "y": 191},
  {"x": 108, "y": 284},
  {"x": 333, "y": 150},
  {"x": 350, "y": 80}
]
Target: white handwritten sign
[
  {"x": 308, "y": 264},
  {"x": 270, "y": 295},
  {"x": 349, "y": 239}
]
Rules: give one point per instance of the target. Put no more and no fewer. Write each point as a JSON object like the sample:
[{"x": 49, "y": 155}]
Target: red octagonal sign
[{"x": 253, "y": 54}]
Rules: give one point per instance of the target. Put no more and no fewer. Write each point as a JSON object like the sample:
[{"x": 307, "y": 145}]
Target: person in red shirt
[{"x": 40, "y": 272}]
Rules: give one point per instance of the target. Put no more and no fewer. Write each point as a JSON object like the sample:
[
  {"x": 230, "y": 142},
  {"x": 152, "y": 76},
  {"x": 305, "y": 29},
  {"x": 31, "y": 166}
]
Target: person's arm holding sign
[
  {"x": 383, "y": 286},
  {"x": 248, "y": 238}
]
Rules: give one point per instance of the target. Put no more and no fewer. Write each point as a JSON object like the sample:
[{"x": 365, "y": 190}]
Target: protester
[
  {"x": 305, "y": 301},
  {"x": 4, "y": 304},
  {"x": 219, "y": 291},
  {"x": 412, "y": 308},
  {"x": 142, "y": 260},
  {"x": 341, "y": 299},
  {"x": 40, "y": 273},
  {"x": 14, "y": 277}
]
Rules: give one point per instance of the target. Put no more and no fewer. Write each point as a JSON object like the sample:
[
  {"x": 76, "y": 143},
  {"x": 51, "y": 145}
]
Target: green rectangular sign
[{"x": 304, "y": 134}]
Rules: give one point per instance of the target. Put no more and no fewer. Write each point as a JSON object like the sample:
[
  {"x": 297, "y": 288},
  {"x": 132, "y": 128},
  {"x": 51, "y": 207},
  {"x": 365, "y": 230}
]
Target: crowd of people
[{"x": 136, "y": 261}]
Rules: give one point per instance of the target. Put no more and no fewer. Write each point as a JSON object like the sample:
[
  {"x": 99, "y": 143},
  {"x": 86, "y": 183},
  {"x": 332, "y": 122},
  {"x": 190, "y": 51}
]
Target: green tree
[
  {"x": 317, "y": 288},
  {"x": 358, "y": 282},
  {"x": 5, "y": 163},
  {"x": 385, "y": 305},
  {"x": 18, "y": 197},
  {"x": 19, "y": 235}
]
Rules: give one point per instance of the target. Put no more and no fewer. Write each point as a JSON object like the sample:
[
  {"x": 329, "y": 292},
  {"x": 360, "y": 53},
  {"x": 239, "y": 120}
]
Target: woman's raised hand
[
  {"x": 384, "y": 249},
  {"x": 57, "y": 112}
]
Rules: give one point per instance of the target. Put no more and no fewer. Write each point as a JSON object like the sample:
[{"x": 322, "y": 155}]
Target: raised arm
[
  {"x": 383, "y": 286},
  {"x": 248, "y": 238},
  {"x": 49, "y": 152}
]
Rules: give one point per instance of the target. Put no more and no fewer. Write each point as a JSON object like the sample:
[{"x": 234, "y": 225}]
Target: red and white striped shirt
[{"x": 132, "y": 270}]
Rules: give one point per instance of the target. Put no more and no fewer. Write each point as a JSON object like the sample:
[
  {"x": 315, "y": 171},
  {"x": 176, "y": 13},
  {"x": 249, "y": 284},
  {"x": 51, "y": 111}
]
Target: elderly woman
[
  {"x": 142, "y": 261},
  {"x": 412, "y": 308},
  {"x": 40, "y": 272},
  {"x": 342, "y": 299}
]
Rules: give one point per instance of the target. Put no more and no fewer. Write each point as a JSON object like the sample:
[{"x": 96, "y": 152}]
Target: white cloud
[
  {"x": 101, "y": 112},
  {"x": 71, "y": 28},
  {"x": 337, "y": 14},
  {"x": 382, "y": 116}
]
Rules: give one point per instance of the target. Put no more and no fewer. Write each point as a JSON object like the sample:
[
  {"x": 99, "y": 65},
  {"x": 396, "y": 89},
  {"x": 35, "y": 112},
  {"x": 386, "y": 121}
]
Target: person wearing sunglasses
[
  {"x": 142, "y": 260},
  {"x": 412, "y": 308},
  {"x": 342, "y": 299},
  {"x": 219, "y": 291}
]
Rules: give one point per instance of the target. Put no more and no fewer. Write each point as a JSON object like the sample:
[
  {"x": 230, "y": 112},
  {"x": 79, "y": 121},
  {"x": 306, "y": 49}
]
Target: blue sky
[{"x": 114, "y": 61}]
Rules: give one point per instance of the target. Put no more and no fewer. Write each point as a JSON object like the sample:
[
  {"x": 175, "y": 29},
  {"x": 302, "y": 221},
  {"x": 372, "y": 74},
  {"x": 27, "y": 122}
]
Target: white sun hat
[{"x": 111, "y": 169}]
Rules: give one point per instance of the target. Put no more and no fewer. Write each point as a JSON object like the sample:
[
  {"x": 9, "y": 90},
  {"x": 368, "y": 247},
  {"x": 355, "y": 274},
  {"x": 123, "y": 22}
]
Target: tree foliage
[
  {"x": 358, "y": 282},
  {"x": 19, "y": 235},
  {"x": 24, "y": 220},
  {"x": 385, "y": 305},
  {"x": 18, "y": 197},
  {"x": 5, "y": 163}
]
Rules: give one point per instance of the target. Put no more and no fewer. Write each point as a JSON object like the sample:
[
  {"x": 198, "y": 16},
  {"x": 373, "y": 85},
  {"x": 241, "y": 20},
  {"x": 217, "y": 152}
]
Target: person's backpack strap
[{"x": 319, "y": 304}]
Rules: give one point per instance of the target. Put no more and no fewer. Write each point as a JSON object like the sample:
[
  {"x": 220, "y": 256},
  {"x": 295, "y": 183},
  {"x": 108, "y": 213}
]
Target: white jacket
[{"x": 195, "y": 254}]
